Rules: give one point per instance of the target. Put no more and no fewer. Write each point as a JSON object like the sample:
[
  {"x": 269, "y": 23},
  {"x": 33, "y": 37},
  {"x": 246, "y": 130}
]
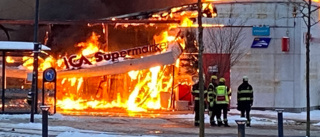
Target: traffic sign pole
[{"x": 49, "y": 75}]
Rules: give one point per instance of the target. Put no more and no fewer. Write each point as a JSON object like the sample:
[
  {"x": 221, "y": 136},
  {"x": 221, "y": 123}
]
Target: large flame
[
  {"x": 148, "y": 89},
  {"x": 145, "y": 94}
]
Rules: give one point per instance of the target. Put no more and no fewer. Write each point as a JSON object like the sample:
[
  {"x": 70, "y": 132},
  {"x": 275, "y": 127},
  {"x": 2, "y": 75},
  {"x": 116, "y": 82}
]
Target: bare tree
[
  {"x": 226, "y": 41},
  {"x": 306, "y": 10}
]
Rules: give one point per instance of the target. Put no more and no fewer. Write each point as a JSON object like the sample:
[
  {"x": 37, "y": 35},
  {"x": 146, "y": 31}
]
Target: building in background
[{"x": 272, "y": 51}]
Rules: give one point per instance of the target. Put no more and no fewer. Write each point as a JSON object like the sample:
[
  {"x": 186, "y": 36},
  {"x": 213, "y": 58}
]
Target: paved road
[{"x": 160, "y": 125}]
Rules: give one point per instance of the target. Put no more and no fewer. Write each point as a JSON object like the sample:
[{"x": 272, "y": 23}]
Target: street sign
[
  {"x": 261, "y": 31},
  {"x": 49, "y": 75},
  {"x": 260, "y": 42},
  {"x": 213, "y": 69}
]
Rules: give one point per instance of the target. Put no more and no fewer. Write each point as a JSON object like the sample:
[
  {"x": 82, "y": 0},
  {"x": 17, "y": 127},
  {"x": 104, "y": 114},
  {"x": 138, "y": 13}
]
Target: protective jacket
[
  {"x": 222, "y": 94},
  {"x": 196, "y": 91},
  {"x": 245, "y": 93},
  {"x": 211, "y": 94}
]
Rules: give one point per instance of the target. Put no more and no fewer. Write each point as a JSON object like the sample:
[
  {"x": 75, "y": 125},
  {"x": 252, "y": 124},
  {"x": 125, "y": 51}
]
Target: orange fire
[
  {"x": 144, "y": 95},
  {"x": 9, "y": 59},
  {"x": 138, "y": 90}
]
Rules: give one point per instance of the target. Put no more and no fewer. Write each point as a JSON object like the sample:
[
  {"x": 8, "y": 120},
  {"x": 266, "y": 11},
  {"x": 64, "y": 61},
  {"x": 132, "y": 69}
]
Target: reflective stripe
[
  {"x": 196, "y": 98},
  {"x": 245, "y": 91},
  {"x": 196, "y": 91},
  {"x": 222, "y": 102},
  {"x": 245, "y": 98}
]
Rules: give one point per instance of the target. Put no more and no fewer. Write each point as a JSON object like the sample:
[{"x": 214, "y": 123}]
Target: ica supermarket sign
[{"x": 74, "y": 62}]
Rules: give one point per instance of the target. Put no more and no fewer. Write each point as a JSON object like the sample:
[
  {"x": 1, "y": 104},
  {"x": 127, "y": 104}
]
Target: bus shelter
[{"x": 14, "y": 49}]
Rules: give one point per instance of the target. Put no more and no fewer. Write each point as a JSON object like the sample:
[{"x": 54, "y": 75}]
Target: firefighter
[
  {"x": 222, "y": 101},
  {"x": 195, "y": 92},
  {"x": 245, "y": 99},
  {"x": 211, "y": 99}
]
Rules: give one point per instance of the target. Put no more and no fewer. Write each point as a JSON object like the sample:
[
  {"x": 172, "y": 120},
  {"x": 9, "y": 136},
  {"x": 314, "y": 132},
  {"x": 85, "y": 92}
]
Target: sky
[{"x": 265, "y": 118}]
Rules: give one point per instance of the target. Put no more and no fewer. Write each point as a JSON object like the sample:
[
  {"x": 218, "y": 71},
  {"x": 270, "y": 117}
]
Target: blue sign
[
  {"x": 260, "y": 42},
  {"x": 49, "y": 74},
  {"x": 261, "y": 31}
]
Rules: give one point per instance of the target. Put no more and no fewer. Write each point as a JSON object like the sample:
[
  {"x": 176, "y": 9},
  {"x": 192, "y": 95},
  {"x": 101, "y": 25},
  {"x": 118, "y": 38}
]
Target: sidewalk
[{"x": 175, "y": 124}]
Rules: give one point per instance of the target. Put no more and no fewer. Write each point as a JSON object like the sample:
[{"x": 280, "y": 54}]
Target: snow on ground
[
  {"x": 69, "y": 134},
  {"x": 314, "y": 115},
  {"x": 259, "y": 118},
  {"x": 78, "y": 134},
  {"x": 32, "y": 129},
  {"x": 265, "y": 117},
  {"x": 231, "y": 119},
  {"x": 318, "y": 124}
]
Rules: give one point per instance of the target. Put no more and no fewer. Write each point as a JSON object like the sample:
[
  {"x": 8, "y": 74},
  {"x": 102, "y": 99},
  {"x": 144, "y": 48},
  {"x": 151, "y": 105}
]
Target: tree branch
[
  {"x": 315, "y": 23},
  {"x": 314, "y": 10}
]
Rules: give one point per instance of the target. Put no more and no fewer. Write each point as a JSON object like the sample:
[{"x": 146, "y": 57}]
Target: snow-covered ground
[
  {"x": 263, "y": 118},
  {"x": 35, "y": 130}
]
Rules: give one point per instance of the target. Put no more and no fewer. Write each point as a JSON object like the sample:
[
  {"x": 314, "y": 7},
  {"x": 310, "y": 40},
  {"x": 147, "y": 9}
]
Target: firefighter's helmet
[
  {"x": 222, "y": 80},
  {"x": 214, "y": 77},
  {"x": 245, "y": 78}
]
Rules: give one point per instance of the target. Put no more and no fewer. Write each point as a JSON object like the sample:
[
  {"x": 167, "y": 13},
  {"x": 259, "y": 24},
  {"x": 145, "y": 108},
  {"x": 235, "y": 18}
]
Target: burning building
[{"x": 129, "y": 62}]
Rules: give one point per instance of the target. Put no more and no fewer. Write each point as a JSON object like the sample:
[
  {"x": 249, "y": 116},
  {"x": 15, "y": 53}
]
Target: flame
[
  {"x": 28, "y": 62},
  {"x": 91, "y": 46},
  {"x": 48, "y": 62},
  {"x": 133, "y": 74},
  {"x": 146, "y": 86},
  {"x": 9, "y": 59},
  {"x": 186, "y": 22},
  {"x": 145, "y": 94}
]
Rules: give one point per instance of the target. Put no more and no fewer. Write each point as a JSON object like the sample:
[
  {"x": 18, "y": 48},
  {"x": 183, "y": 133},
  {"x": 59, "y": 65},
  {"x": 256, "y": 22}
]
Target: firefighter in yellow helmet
[
  {"x": 222, "y": 101},
  {"x": 211, "y": 99},
  {"x": 196, "y": 93}
]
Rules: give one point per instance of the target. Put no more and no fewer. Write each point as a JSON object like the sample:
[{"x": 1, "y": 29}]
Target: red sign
[
  {"x": 285, "y": 44},
  {"x": 73, "y": 62}
]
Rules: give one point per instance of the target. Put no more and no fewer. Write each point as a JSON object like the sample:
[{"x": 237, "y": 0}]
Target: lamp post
[
  {"x": 36, "y": 50},
  {"x": 241, "y": 128},
  {"x": 45, "y": 109},
  {"x": 280, "y": 122},
  {"x": 308, "y": 66},
  {"x": 201, "y": 82}
]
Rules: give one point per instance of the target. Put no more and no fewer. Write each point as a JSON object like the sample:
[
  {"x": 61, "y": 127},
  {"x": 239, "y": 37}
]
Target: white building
[{"x": 278, "y": 78}]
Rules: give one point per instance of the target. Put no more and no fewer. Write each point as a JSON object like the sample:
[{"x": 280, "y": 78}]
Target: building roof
[{"x": 19, "y": 46}]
